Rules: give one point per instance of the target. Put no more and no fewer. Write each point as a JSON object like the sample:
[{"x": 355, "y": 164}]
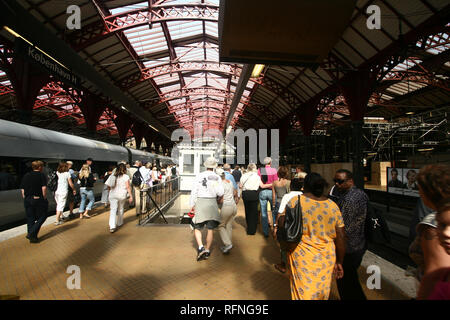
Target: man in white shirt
[{"x": 206, "y": 190}]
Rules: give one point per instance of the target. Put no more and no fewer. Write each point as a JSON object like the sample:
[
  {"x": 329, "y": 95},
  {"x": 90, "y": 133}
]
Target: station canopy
[{"x": 165, "y": 56}]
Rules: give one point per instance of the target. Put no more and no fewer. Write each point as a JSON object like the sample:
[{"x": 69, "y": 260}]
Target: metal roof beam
[{"x": 17, "y": 18}]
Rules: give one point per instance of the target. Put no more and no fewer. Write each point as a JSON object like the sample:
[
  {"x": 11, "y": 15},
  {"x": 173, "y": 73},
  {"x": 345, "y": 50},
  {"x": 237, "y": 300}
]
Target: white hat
[
  {"x": 210, "y": 163},
  {"x": 220, "y": 171}
]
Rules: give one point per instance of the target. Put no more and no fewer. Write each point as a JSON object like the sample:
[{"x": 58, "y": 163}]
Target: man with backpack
[
  {"x": 353, "y": 203},
  {"x": 268, "y": 175},
  {"x": 136, "y": 182}
]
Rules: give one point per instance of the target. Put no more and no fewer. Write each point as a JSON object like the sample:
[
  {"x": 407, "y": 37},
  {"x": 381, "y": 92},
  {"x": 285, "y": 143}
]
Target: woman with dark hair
[
  {"x": 118, "y": 195},
  {"x": 296, "y": 185},
  {"x": 427, "y": 251},
  {"x": 320, "y": 253},
  {"x": 64, "y": 181},
  {"x": 280, "y": 187}
]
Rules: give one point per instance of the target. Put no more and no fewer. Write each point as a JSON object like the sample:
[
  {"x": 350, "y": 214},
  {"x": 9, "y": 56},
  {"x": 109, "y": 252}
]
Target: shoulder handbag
[
  {"x": 111, "y": 182},
  {"x": 290, "y": 227}
]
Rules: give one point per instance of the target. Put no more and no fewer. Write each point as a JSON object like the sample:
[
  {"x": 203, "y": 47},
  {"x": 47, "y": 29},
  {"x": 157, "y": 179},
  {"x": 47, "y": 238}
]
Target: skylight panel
[
  {"x": 173, "y": 87},
  {"x": 147, "y": 41},
  {"x": 212, "y": 29},
  {"x": 141, "y": 5},
  {"x": 166, "y": 78},
  {"x": 212, "y": 55},
  {"x": 191, "y": 54},
  {"x": 184, "y": 29},
  {"x": 156, "y": 62},
  {"x": 195, "y": 82}
]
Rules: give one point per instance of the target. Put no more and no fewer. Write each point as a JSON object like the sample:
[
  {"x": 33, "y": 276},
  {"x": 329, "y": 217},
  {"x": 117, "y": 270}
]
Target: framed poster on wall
[
  {"x": 395, "y": 180},
  {"x": 402, "y": 181}
]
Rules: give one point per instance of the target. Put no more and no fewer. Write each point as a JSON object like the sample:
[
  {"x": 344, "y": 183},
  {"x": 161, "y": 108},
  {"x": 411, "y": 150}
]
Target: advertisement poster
[{"x": 403, "y": 181}]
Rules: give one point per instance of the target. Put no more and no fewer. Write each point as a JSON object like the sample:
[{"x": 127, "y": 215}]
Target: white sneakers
[{"x": 226, "y": 249}]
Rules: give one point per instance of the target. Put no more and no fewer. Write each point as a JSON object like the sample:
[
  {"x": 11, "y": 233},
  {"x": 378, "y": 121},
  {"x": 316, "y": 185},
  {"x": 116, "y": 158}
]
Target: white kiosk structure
[{"x": 191, "y": 157}]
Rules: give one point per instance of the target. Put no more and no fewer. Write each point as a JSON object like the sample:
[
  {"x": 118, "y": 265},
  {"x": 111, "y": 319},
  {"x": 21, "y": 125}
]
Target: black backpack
[
  {"x": 376, "y": 228},
  {"x": 174, "y": 171},
  {"x": 52, "y": 183},
  {"x": 137, "y": 179}
]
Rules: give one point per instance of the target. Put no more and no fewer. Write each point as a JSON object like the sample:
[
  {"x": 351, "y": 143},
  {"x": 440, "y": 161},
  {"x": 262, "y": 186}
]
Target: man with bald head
[{"x": 229, "y": 175}]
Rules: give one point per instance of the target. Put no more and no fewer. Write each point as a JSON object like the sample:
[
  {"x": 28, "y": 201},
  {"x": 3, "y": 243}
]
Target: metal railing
[{"x": 156, "y": 198}]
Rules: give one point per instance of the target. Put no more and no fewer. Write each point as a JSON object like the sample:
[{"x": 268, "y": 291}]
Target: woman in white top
[
  {"x": 155, "y": 175},
  {"x": 117, "y": 197},
  {"x": 64, "y": 180},
  {"x": 250, "y": 183},
  {"x": 227, "y": 212}
]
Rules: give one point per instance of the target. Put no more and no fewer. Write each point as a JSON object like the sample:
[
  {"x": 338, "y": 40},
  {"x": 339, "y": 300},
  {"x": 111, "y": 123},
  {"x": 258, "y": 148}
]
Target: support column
[
  {"x": 27, "y": 80},
  {"x": 139, "y": 133},
  {"x": 357, "y": 89},
  {"x": 307, "y": 116},
  {"x": 92, "y": 108},
  {"x": 123, "y": 124}
]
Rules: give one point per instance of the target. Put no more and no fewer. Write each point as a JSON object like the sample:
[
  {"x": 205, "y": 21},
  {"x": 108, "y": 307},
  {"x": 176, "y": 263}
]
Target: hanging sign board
[{"x": 46, "y": 63}]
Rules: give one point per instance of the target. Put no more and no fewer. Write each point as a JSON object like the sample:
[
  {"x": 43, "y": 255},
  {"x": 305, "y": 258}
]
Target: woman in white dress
[
  {"x": 117, "y": 197},
  {"x": 64, "y": 180}
]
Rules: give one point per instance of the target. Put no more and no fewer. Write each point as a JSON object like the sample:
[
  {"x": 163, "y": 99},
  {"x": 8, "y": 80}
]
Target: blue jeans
[
  {"x": 86, "y": 194},
  {"x": 264, "y": 196},
  {"x": 275, "y": 212}
]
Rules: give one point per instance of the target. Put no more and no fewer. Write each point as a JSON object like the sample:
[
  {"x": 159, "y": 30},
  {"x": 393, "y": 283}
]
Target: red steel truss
[{"x": 98, "y": 31}]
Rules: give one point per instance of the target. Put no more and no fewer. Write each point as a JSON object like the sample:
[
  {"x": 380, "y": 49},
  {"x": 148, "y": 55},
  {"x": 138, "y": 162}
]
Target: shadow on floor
[
  {"x": 277, "y": 289},
  {"x": 58, "y": 229},
  {"x": 137, "y": 287}
]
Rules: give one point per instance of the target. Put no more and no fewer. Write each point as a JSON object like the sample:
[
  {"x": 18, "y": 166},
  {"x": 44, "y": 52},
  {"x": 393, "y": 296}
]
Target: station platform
[{"x": 158, "y": 261}]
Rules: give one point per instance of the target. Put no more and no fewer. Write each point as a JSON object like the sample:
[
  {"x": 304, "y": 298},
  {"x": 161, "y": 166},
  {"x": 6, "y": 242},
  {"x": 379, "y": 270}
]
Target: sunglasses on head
[{"x": 339, "y": 181}]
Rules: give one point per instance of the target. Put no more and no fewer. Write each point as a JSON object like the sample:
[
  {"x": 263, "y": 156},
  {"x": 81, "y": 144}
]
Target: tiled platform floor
[{"x": 151, "y": 262}]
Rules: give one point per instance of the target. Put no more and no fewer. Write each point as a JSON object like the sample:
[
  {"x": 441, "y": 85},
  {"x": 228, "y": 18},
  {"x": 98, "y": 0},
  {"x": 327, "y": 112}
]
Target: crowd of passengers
[
  {"x": 333, "y": 240},
  {"x": 73, "y": 186}
]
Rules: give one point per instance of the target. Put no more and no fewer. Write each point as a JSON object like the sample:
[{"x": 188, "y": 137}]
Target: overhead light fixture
[
  {"x": 373, "y": 118},
  {"x": 257, "y": 70},
  {"x": 153, "y": 128},
  {"x": 423, "y": 150},
  {"x": 410, "y": 113},
  {"x": 372, "y": 154},
  {"x": 124, "y": 108},
  {"x": 15, "y": 34}
]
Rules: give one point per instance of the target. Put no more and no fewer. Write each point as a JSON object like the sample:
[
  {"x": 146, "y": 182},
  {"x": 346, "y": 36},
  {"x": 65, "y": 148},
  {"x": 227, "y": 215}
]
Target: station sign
[{"x": 45, "y": 62}]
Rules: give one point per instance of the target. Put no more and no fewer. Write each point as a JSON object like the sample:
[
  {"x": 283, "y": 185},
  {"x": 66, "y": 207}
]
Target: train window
[{"x": 9, "y": 174}]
